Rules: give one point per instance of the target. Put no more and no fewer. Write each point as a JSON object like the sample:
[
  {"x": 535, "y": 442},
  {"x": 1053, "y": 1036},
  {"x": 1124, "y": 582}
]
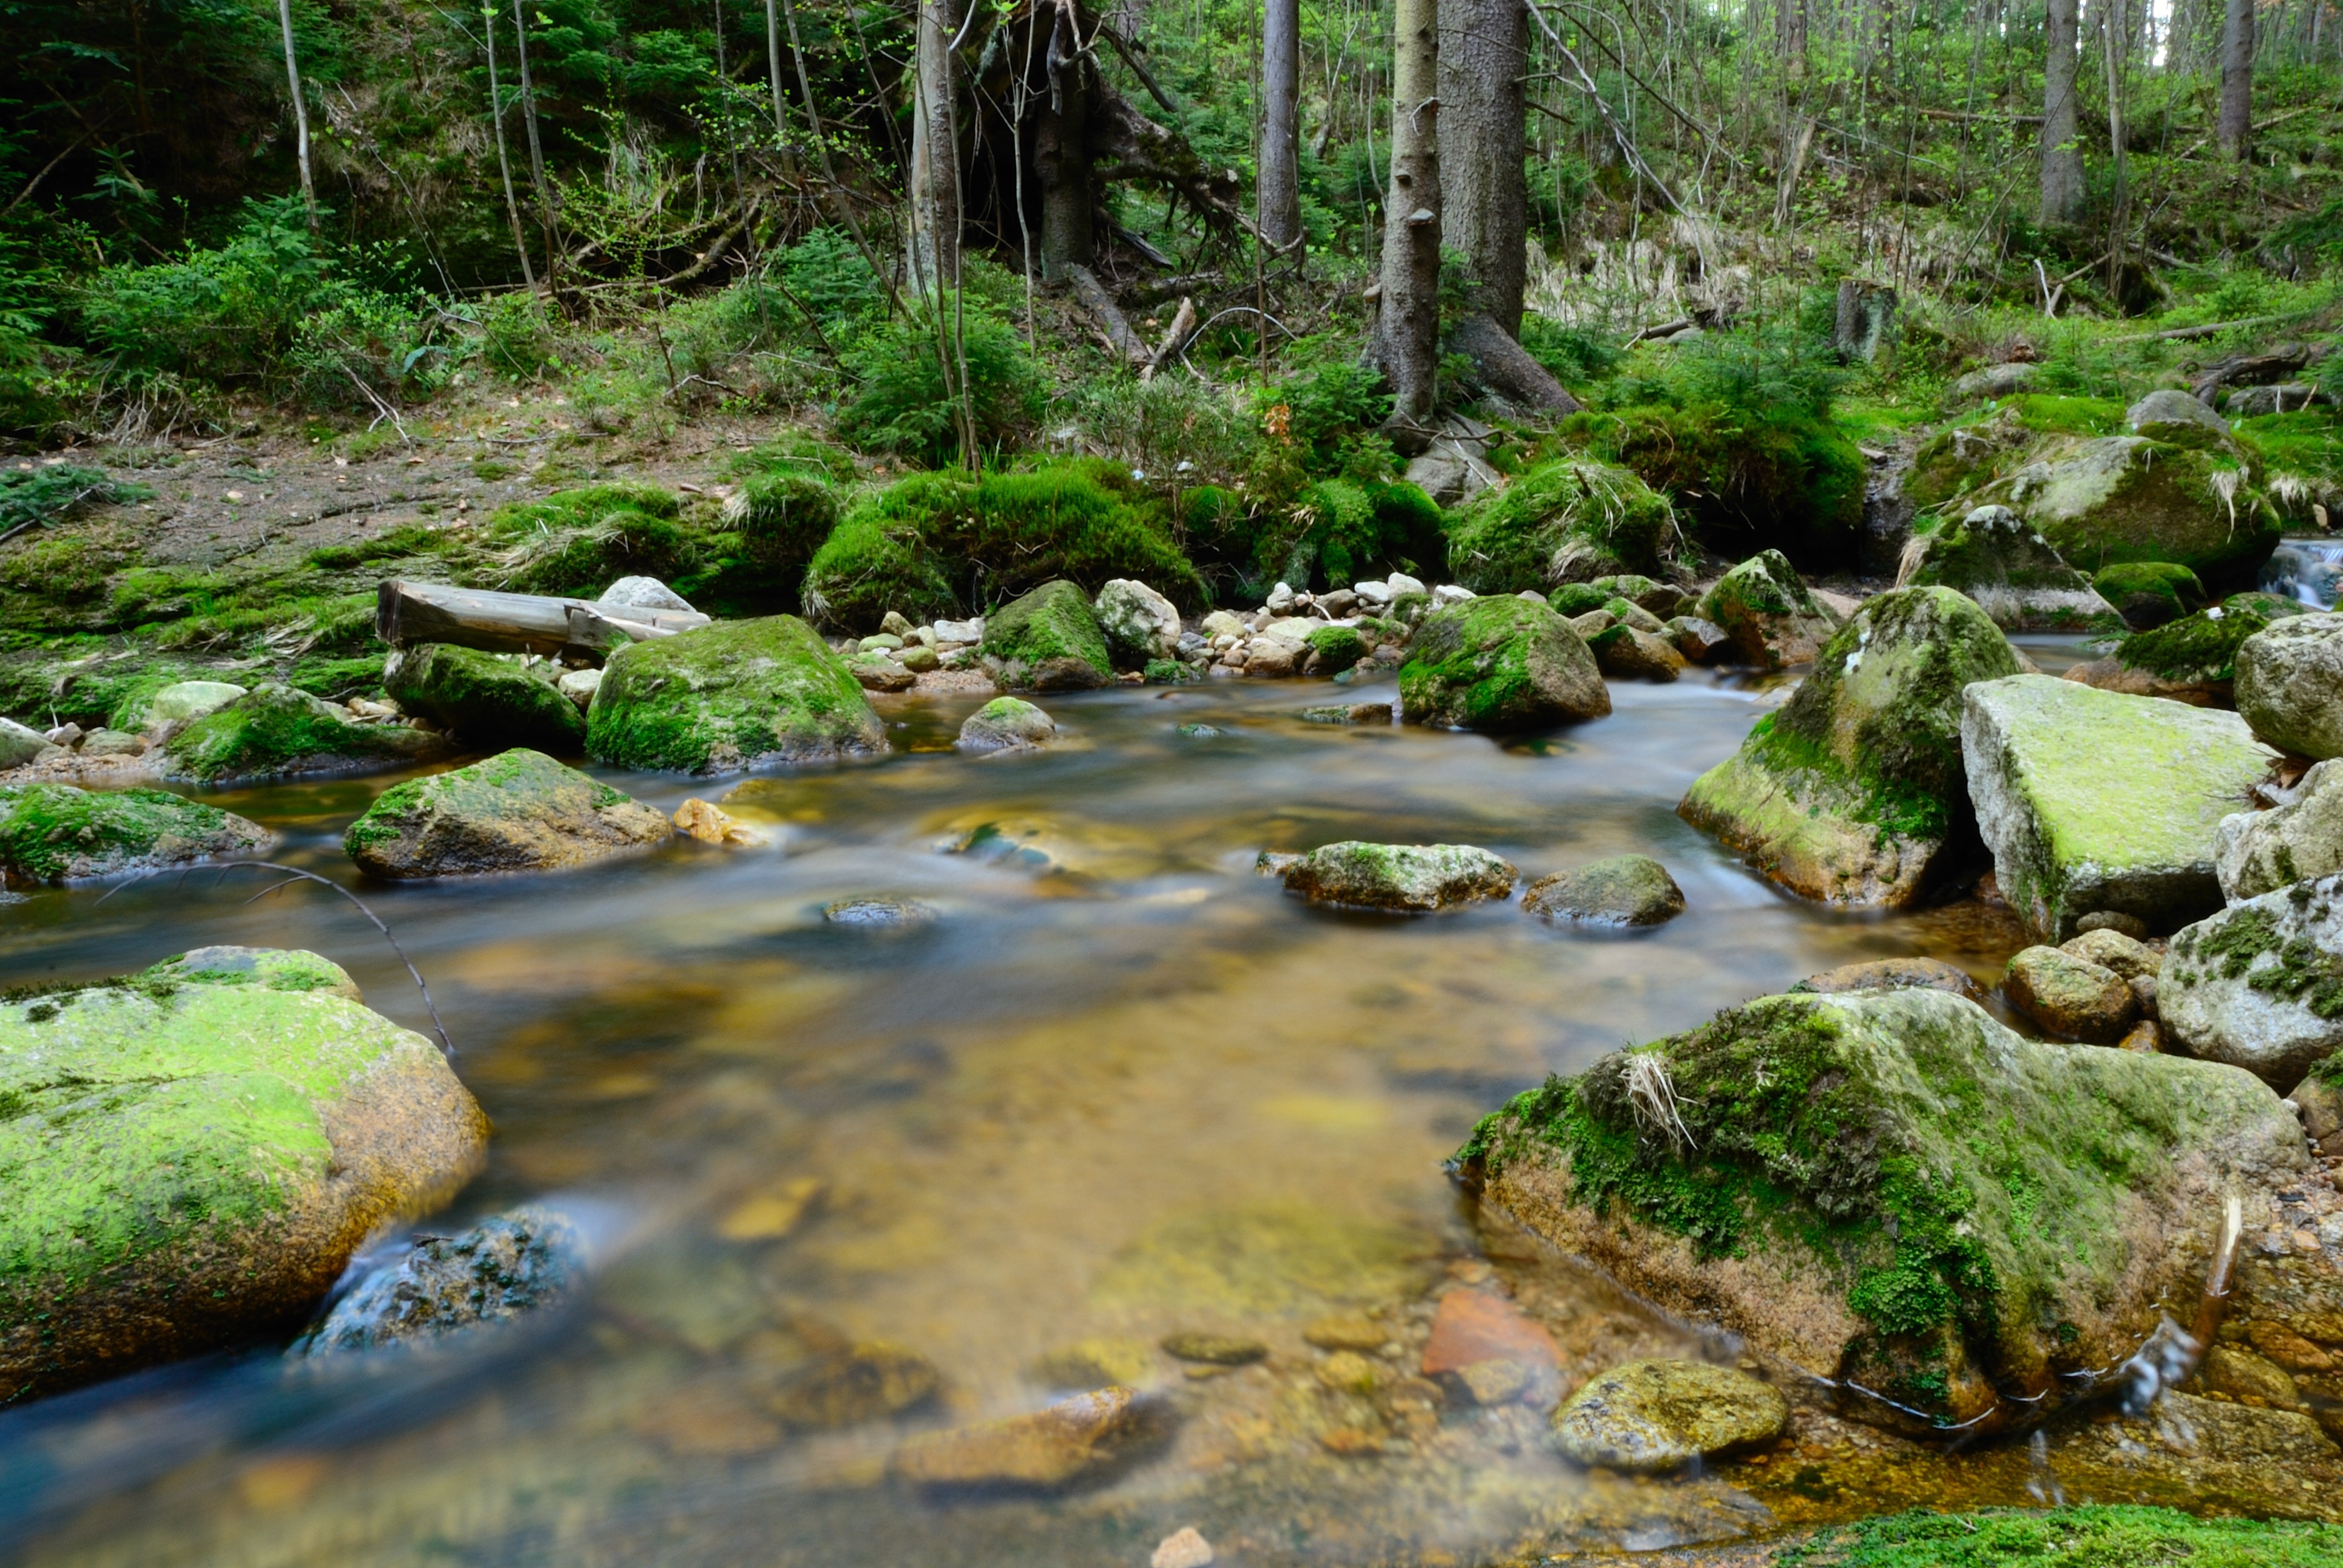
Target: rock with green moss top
[
  {"x": 486, "y": 700},
  {"x": 519, "y": 812},
  {"x": 1650, "y": 1417},
  {"x": 1851, "y": 793},
  {"x": 2091, "y": 800},
  {"x": 2169, "y": 414},
  {"x": 1766, "y": 612},
  {"x": 276, "y": 732},
  {"x": 1617, "y": 890},
  {"x": 1626, "y": 652},
  {"x": 2289, "y": 684},
  {"x": 1006, "y": 724},
  {"x": 2010, "y": 569},
  {"x": 57, "y": 833},
  {"x": 2201, "y": 649},
  {"x": 1562, "y": 522},
  {"x": 1806, "y": 1171},
  {"x": 1049, "y": 640},
  {"x": 194, "y": 1153},
  {"x": 178, "y": 703},
  {"x": 2257, "y": 852},
  {"x": 2148, "y": 594},
  {"x": 2129, "y": 498},
  {"x": 1412, "y": 879},
  {"x": 1662, "y": 601},
  {"x": 735, "y": 695},
  {"x": 1336, "y": 649},
  {"x": 2260, "y": 984},
  {"x": 1499, "y": 664}
]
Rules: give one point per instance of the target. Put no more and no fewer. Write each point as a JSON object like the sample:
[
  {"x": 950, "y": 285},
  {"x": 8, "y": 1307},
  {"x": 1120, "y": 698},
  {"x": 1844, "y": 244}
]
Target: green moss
[
  {"x": 1048, "y": 635},
  {"x": 2164, "y": 586},
  {"x": 1340, "y": 531},
  {"x": 485, "y": 699},
  {"x": 2126, "y": 499},
  {"x": 580, "y": 541},
  {"x": 2204, "y": 645},
  {"x": 2052, "y": 414},
  {"x": 2090, "y": 1536},
  {"x": 2303, "y": 971},
  {"x": 1498, "y": 663},
  {"x": 1571, "y": 599},
  {"x": 1168, "y": 672},
  {"x": 50, "y": 831},
  {"x": 727, "y": 697},
  {"x": 1338, "y": 647},
  {"x": 1759, "y": 474},
  {"x": 273, "y": 730},
  {"x": 1576, "y": 517}
]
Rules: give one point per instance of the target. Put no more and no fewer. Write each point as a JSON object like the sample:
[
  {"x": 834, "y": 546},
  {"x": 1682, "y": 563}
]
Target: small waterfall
[{"x": 2308, "y": 569}]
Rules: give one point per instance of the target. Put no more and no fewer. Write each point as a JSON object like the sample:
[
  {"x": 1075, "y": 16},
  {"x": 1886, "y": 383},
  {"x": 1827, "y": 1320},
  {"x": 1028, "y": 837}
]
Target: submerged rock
[
  {"x": 1649, "y": 1417},
  {"x": 1499, "y": 664},
  {"x": 880, "y": 914},
  {"x": 503, "y": 1267},
  {"x": 2010, "y": 570},
  {"x": 1214, "y": 1349},
  {"x": 1852, "y": 792},
  {"x": 854, "y": 1383},
  {"x": 1765, "y": 610},
  {"x": 196, "y": 1151},
  {"x": 1072, "y": 1441},
  {"x": 1141, "y": 625},
  {"x": 1802, "y": 1170},
  {"x": 57, "y": 833},
  {"x": 1006, "y": 724},
  {"x": 2257, "y": 852},
  {"x": 1618, "y": 891},
  {"x": 727, "y": 697},
  {"x": 1049, "y": 640},
  {"x": 1409, "y": 878},
  {"x": 519, "y": 812},
  {"x": 1893, "y": 974},
  {"x": 2289, "y": 685},
  {"x": 2093, "y": 800},
  {"x": 697, "y": 818},
  {"x": 274, "y": 732},
  {"x": 2071, "y": 998},
  {"x": 486, "y": 700},
  {"x": 2260, "y": 985}
]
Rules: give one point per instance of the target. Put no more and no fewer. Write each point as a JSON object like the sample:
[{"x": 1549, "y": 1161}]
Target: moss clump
[
  {"x": 2127, "y": 499},
  {"x": 2150, "y": 593},
  {"x": 56, "y": 832},
  {"x": 1569, "y": 600},
  {"x": 1499, "y": 664},
  {"x": 2301, "y": 971},
  {"x": 1750, "y": 475},
  {"x": 519, "y": 810},
  {"x": 728, "y": 697},
  {"x": 1049, "y": 640},
  {"x": 2090, "y": 1536},
  {"x": 580, "y": 541},
  {"x": 1340, "y": 531},
  {"x": 1168, "y": 672},
  {"x": 1338, "y": 647},
  {"x": 273, "y": 731},
  {"x": 1574, "y": 519},
  {"x": 2204, "y": 647},
  {"x": 488, "y": 700}
]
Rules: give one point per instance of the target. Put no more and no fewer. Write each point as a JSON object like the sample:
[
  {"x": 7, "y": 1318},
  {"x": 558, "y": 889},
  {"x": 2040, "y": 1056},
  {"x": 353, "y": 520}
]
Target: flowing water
[
  {"x": 1120, "y": 1086},
  {"x": 2309, "y": 570}
]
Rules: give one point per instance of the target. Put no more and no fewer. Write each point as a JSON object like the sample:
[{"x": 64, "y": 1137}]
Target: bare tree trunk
[
  {"x": 2062, "y": 157},
  {"x": 2114, "y": 45},
  {"x": 773, "y": 65},
  {"x": 504, "y": 160},
  {"x": 2236, "y": 127},
  {"x": 935, "y": 172},
  {"x": 1061, "y": 153},
  {"x": 1278, "y": 189},
  {"x": 300, "y": 112},
  {"x": 536, "y": 152},
  {"x": 1407, "y": 326},
  {"x": 1794, "y": 38},
  {"x": 1484, "y": 56}
]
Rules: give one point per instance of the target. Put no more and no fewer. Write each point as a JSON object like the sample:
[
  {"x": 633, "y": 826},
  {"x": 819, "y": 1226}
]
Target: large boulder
[
  {"x": 2130, "y": 498},
  {"x": 1766, "y": 612},
  {"x": 20, "y": 744},
  {"x": 2289, "y": 684},
  {"x": 194, "y": 1152},
  {"x": 2008, "y": 569},
  {"x": 57, "y": 833},
  {"x": 486, "y": 700},
  {"x": 1499, "y": 664},
  {"x": 505, "y": 1267},
  {"x": 2149, "y": 594},
  {"x": 2093, "y": 800},
  {"x": 2260, "y": 985},
  {"x": 2257, "y": 852},
  {"x": 2167, "y": 414},
  {"x": 734, "y": 695},
  {"x": 276, "y": 732},
  {"x": 2194, "y": 659},
  {"x": 1806, "y": 1171},
  {"x": 1853, "y": 792},
  {"x": 1141, "y": 625},
  {"x": 1049, "y": 640},
  {"x": 517, "y": 811},
  {"x": 1405, "y": 877}
]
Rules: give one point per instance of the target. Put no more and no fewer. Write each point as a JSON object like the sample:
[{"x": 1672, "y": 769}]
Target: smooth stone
[
  {"x": 1698, "y": 640},
  {"x": 2112, "y": 949},
  {"x": 729, "y": 697},
  {"x": 1474, "y": 1326},
  {"x": 1139, "y": 623},
  {"x": 1183, "y": 1548},
  {"x": 919, "y": 660},
  {"x": 2070, "y": 998},
  {"x": 2318, "y": 1101},
  {"x": 19, "y": 744},
  {"x": 877, "y": 672},
  {"x": 710, "y": 824},
  {"x": 511, "y": 1264},
  {"x": 1894, "y": 974},
  {"x": 1195, "y": 732},
  {"x": 519, "y": 812},
  {"x": 1649, "y": 1417},
  {"x": 1409, "y": 878},
  {"x": 59, "y": 833},
  {"x": 963, "y": 632},
  {"x": 188, "y": 700},
  {"x": 1006, "y": 724},
  {"x": 579, "y": 686},
  {"x": 1993, "y": 381},
  {"x": 2260, "y": 985},
  {"x": 897, "y": 623},
  {"x": 644, "y": 593},
  {"x": 2289, "y": 684},
  {"x": 1619, "y": 890},
  {"x": 2169, "y": 414},
  {"x": 1094, "y": 1362},
  {"x": 1219, "y": 1350},
  {"x": 2257, "y": 852},
  {"x": 1072, "y": 1441},
  {"x": 1500, "y": 664},
  {"x": 1626, "y": 652},
  {"x": 882, "y": 642},
  {"x": 2131, "y": 926},
  {"x": 1346, "y": 1334}
]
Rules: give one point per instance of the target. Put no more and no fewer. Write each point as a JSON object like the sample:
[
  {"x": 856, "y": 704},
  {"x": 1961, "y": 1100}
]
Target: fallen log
[
  {"x": 1182, "y": 324},
  {"x": 406, "y": 613},
  {"x": 1094, "y": 298}
]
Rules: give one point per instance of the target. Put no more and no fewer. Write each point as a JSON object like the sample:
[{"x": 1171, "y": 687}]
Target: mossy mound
[
  {"x": 1049, "y": 640},
  {"x": 1338, "y": 647},
  {"x": 780, "y": 516},
  {"x": 2127, "y": 499},
  {"x": 1854, "y": 791},
  {"x": 1499, "y": 664},
  {"x": 1341, "y": 531},
  {"x": 485, "y": 700},
  {"x": 57, "y": 833},
  {"x": 274, "y": 732},
  {"x": 729, "y": 695},
  {"x": 579, "y": 541},
  {"x": 519, "y": 812},
  {"x": 1564, "y": 522},
  {"x": 1750, "y": 477},
  {"x": 1766, "y": 612},
  {"x": 2148, "y": 594},
  {"x": 1998, "y": 560},
  {"x": 1808, "y": 1172},
  {"x": 194, "y": 1152},
  {"x": 2079, "y": 1537},
  {"x": 2203, "y": 647}
]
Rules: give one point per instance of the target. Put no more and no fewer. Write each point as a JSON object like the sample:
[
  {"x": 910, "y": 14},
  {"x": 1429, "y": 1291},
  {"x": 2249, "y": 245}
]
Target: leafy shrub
[
  {"x": 1575, "y": 355},
  {"x": 1155, "y": 426},
  {"x": 905, "y": 408},
  {"x": 827, "y": 275},
  {"x": 1567, "y": 521},
  {"x": 515, "y": 338}
]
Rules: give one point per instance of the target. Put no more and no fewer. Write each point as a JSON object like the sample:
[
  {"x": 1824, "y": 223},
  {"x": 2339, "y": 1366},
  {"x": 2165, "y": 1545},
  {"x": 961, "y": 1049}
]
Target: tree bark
[
  {"x": 2062, "y": 157},
  {"x": 1278, "y": 190},
  {"x": 504, "y": 160},
  {"x": 300, "y": 112},
  {"x": 1794, "y": 38},
  {"x": 2235, "y": 127},
  {"x": 535, "y": 152},
  {"x": 407, "y": 613},
  {"x": 1407, "y": 325},
  {"x": 1506, "y": 368},
  {"x": 1485, "y": 193},
  {"x": 935, "y": 165},
  {"x": 773, "y": 68},
  {"x": 1062, "y": 155}
]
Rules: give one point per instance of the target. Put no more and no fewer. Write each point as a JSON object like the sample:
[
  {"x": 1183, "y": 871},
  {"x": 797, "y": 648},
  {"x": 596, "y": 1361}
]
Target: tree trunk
[
  {"x": 407, "y": 613},
  {"x": 1483, "y": 54},
  {"x": 1506, "y": 368},
  {"x": 536, "y": 151},
  {"x": 773, "y": 68},
  {"x": 504, "y": 160},
  {"x": 2062, "y": 157},
  {"x": 1061, "y": 153},
  {"x": 1794, "y": 38},
  {"x": 935, "y": 165},
  {"x": 1407, "y": 325},
  {"x": 300, "y": 112},
  {"x": 1278, "y": 190},
  {"x": 2235, "y": 126}
]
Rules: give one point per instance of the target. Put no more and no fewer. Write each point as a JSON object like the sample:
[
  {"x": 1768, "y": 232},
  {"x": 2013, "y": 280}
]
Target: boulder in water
[
  {"x": 2010, "y": 570},
  {"x": 274, "y": 732},
  {"x": 1499, "y": 664},
  {"x": 1618, "y": 891},
  {"x": 1075, "y": 1440},
  {"x": 2257, "y": 852},
  {"x": 2260, "y": 985},
  {"x": 1766, "y": 612},
  {"x": 1006, "y": 724},
  {"x": 1625, "y": 652},
  {"x": 1141, "y": 625},
  {"x": 57, "y": 833},
  {"x": 737, "y": 694},
  {"x": 1049, "y": 640},
  {"x": 2129, "y": 498},
  {"x": 517, "y": 811},
  {"x": 1649, "y": 1417},
  {"x": 503, "y": 1268},
  {"x": 486, "y": 700},
  {"x": 1404, "y": 878},
  {"x": 2289, "y": 684}
]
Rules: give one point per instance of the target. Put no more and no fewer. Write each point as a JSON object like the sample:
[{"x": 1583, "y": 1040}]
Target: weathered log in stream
[{"x": 406, "y": 613}]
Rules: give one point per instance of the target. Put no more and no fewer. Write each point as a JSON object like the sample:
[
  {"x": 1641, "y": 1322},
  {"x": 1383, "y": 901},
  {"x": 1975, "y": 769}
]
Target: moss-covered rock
[
  {"x": 1006, "y": 724},
  {"x": 2201, "y": 649},
  {"x": 2260, "y": 984},
  {"x": 1617, "y": 890},
  {"x": 1626, "y": 652},
  {"x": 2069, "y": 997},
  {"x": 193, "y": 1153},
  {"x": 2129, "y": 498},
  {"x": 1049, "y": 640},
  {"x": 1766, "y": 612},
  {"x": 1141, "y": 625},
  {"x": 57, "y": 833},
  {"x": 1564, "y": 522},
  {"x": 517, "y": 811},
  {"x": 274, "y": 732},
  {"x": 578, "y": 541},
  {"x": 177, "y": 703},
  {"x": 2289, "y": 684},
  {"x": 2147, "y": 593},
  {"x": 1891, "y": 1191},
  {"x": 1499, "y": 664},
  {"x": 2091, "y": 800},
  {"x": 1405, "y": 877},
  {"x": 2257, "y": 852},
  {"x": 2010, "y": 569},
  {"x": 735, "y": 695},
  {"x": 1650, "y": 1417},
  {"x": 486, "y": 700},
  {"x": 1337, "y": 649},
  {"x": 1854, "y": 791}
]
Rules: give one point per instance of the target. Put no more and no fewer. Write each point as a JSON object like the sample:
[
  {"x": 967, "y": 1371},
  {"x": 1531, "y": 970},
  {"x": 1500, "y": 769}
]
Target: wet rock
[
  {"x": 2167, "y": 415},
  {"x": 1626, "y": 652},
  {"x": 274, "y": 732},
  {"x": 2238, "y": 1373},
  {"x": 1006, "y": 724},
  {"x": 1272, "y": 659},
  {"x": 2070, "y": 998},
  {"x": 195, "y": 1152},
  {"x": 2035, "y": 1258},
  {"x": 2114, "y": 675},
  {"x": 1894, "y": 974},
  {"x": 1499, "y": 664},
  {"x": 2318, "y": 1101},
  {"x": 2215, "y": 1452},
  {"x": 2131, "y": 926},
  {"x": 1195, "y": 732},
  {"x": 858, "y": 1382},
  {"x": 878, "y": 913},
  {"x": 1346, "y": 1334},
  {"x": 1185, "y": 1547},
  {"x": 2260, "y": 985},
  {"x": 488, "y": 700},
  {"x": 1699, "y": 642},
  {"x": 643, "y": 593},
  {"x": 1473, "y": 1327},
  {"x": 1413, "y": 878},
  {"x": 1139, "y": 623},
  {"x": 57, "y": 833},
  {"x": 1618, "y": 891},
  {"x": 519, "y": 812},
  {"x": 2119, "y": 499},
  {"x": 2289, "y": 685},
  {"x": 1766, "y": 612},
  {"x": 2257, "y": 852},
  {"x": 1048, "y": 640},
  {"x": 2012, "y": 572},
  {"x": 1649, "y": 1417},
  {"x": 1220, "y": 1350},
  {"x": 112, "y": 743},
  {"x": 505, "y": 1266},
  {"x": 1853, "y": 792},
  {"x": 2142, "y": 1036},
  {"x": 2149, "y": 594},
  {"x": 919, "y": 660},
  {"x": 877, "y": 672},
  {"x": 1074, "y": 1440},
  {"x": 2091, "y": 800},
  {"x": 1094, "y": 1362},
  {"x": 19, "y": 744},
  {"x": 2112, "y": 949},
  {"x": 579, "y": 686},
  {"x": 696, "y": 818},
  {"x": 1348, "y": 1372},
  {"x": 727, "y": 696},
  {"x": 1257, "y": 1262}
]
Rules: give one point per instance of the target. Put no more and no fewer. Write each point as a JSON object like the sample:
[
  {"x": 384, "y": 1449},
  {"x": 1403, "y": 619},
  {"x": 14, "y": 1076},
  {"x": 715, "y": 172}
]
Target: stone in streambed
[
  {"x": 1408, "y": 878},
  {"x": 195, "y": 1152},
  {"x": 59, "y": 833},
  {"x": 1215, "y": 1350},
  {"x": 1074, "y": 1440},
  {"x": 2260, "y": 985},
  {"x": 737, "y": 694},
  {"x": 1139, "y": 623},
  {"x": 1765, "y": 612},
  {"x": 697, "y": 818},
  {"x": 274, "y": 732},
  {"x": 1649, "y": 1417},
  {"x": 2112, "y": 949},
  {"x": 1699, "y": 642},
  {"x": 19, "y": 744},
  {"x": 1006, "y": 724},
  {"x": 854, "y": 1384},
  {"x": 2289, "y": 684},
  {"x": 1499, "y": 664},
  {"x": 485, "y": 700},
  {"x": 2013, "y": 573},
  {"x": 1619, "y": 890},
  {"x": 1893, "y": 974},
  {"x": 1474, "y": 1327},
  {"x": 1049, "y": 640},
  {"x": 184, "y": 701},
  {"x": 879, "y": 914},
  {"x": 507, "y": 1265},
  {"x": 2068, "y": 997},
  {"x": 2257, "y": 852},
  {"x": 519, "y": 812},
  {"x": 1625, "y": 652}
]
